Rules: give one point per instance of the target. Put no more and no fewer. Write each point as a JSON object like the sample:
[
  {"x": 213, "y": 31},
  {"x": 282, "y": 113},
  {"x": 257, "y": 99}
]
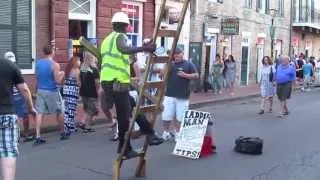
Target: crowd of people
[{"x": 58, "y": 92}]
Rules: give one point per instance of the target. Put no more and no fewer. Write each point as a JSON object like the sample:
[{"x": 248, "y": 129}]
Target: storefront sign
[
  {"x": 230, "y": 26},
  {"x": 192, "y": 132}
]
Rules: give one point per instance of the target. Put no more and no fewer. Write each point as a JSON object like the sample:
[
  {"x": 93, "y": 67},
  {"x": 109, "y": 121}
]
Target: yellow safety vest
[{"x": 115, "y": 65}]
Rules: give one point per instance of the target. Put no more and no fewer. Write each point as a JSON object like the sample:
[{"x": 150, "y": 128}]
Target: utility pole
[{"x": 290, "y": 31}]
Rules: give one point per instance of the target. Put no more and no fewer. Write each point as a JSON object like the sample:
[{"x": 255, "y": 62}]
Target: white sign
[{"x": 192, "y": 131}]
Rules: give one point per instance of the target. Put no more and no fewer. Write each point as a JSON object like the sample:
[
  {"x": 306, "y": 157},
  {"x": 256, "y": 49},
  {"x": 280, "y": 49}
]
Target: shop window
[
  {"x": 134, "y": 11},
  {"x": 16, "y": 30}
]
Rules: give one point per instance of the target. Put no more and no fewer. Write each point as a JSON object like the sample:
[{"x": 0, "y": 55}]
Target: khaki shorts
[
  {"x": 90, "y": 105},
  {"x": 48, "y": 102}
]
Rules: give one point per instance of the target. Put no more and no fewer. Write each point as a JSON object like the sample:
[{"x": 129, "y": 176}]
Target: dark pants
[{"x": 124, "y": 106}]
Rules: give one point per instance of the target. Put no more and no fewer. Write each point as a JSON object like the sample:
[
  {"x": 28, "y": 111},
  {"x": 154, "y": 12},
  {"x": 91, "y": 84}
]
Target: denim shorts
[
  {"x": 20, "y": 106},
  {"x": 9, "y": 135}
]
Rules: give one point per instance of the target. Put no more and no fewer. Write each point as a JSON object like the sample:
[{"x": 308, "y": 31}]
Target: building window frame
[
  {"x": 91, "y": 18},
  {"x": 33, "y": 40},
  {"x": 138, "y": 35},
  {"x": 248, "y": 4},
  {"x": 281, "y": 8}
]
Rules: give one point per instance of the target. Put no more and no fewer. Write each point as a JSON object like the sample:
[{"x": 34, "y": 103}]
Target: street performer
[{"x": 115, "y": 78}]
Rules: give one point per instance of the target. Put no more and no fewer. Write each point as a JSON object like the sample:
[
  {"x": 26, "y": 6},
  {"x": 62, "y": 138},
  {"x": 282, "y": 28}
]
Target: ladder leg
[
  {"x": 141, "y": 168},
  {"x": 116, "y": 169}
]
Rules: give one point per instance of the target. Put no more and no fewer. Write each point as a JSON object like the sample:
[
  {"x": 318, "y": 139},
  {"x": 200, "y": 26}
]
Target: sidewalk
[{"x": 197, "y": 100}]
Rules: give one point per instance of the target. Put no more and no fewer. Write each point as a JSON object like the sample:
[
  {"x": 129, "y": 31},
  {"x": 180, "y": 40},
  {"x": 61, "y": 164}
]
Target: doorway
[
  {"x": 244, "y": 66},
  {"x": 77, "y": 28},
  {"x": 260, "y": 55}
]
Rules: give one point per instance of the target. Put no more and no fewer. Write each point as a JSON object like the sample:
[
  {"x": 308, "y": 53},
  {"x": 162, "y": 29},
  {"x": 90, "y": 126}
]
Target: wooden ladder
[{"x": 156, "y": 107}]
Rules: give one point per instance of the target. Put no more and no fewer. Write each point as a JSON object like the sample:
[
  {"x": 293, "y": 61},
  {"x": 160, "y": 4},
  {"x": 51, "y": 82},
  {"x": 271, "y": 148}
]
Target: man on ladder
[{"x": 115, "y": 79}]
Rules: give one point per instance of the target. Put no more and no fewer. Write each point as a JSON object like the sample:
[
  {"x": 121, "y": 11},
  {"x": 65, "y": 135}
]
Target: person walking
[
  {"x": 115, "y": 74},
  {"x": 267, "y": 85},
  {"x": 307, "y": 70},
  {"x": 20, "y": 105},
  {"x": 217, "y": 75},
  {"x": 285, "y": 78},
  {"x": 10, "y": 76},
  {"x": 89, "y": 77},
  {"x": 230, "y": 74},
  {"x": 71, "y": 95},
  {"x": 176, "y": 99},
  {"x": 48, "y": 98}
]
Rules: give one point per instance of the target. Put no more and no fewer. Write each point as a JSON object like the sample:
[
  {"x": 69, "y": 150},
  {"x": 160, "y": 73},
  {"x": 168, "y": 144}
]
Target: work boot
[{"x": 154, "y": 140}]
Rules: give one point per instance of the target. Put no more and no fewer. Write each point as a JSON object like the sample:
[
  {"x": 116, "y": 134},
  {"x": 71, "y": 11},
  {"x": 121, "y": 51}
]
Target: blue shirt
[
  {"x": 285, "y": 73},
  {"x": 307, "y": 69},
  {"x": 45, "y": 76},
  {"x": 177, "y": 86}
]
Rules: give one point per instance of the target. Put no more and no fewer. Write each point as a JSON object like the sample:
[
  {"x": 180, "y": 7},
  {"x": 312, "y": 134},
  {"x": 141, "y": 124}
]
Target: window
[
  {"x": 16, "y": 30},
  {"x": 263, "y": 6},
  {"x": 248, "y": 4},
  {"x": 216, "y": 1},
  {"x": 134, "y": 11},
  {"x": 281, "y": 8}
]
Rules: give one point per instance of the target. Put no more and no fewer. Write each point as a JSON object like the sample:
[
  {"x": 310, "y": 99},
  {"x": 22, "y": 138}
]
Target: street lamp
[{"x": 273, "y": 13}]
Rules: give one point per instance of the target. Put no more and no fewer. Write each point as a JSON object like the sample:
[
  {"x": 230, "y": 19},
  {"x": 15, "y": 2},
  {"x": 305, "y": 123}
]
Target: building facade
[
  {"x": 26, "y": 26},
  {"x": 241, "y": 28},
  {"x": 306, "y": 27}
]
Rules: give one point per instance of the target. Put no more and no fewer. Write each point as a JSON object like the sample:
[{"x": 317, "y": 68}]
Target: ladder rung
[
  {"x": 154, "y": 84},
  {"x": 160, "y": 59},
  {"x": 148, "y": 108},
  {"x": 153, "y": 99},
  {"x": 167, "y": 33},
  {"x": 141, "y": 153}
]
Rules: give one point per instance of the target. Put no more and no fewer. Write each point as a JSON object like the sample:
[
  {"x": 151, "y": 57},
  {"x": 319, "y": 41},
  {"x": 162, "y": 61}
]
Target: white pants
[{"x": 174, "y": 108}]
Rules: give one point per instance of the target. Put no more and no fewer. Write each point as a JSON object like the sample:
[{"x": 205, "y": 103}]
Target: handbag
[
  {"x": 249, "y": 145},
  {"x": 271, "y": 74}
]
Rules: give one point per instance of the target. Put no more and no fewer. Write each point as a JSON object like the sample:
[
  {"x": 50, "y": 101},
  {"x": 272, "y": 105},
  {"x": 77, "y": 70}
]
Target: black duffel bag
[{"x": 249, "y": 145}]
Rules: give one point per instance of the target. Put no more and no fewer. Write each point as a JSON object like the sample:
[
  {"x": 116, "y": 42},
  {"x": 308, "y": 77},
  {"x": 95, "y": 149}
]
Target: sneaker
[
  {"x": 166, "y": 136},
  {"x": 39, "y": 141},
  {"x": 261, "y": 112},
  {"x": 114, "y": 137},
  {"x": 28, "y": 139},
  {"x": 130, "y": 154},
  {"x": 154, "y": 140},
  {"x": 64, "y": 136}
]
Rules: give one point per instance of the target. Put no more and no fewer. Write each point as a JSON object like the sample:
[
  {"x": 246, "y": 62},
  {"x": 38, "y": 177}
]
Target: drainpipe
[
  {"x": 290, "y": 31},
  {"x": 51, "y": 22}
]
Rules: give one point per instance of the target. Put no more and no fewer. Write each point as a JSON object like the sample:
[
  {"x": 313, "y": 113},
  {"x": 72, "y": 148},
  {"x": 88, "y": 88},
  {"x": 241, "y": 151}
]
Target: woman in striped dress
[
  {"x": 267, "y": 85},
  {"x": 71, "y": 95}
]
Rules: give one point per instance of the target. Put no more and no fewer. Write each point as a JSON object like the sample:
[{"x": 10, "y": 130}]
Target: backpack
[{"x": 249, "y": 145}]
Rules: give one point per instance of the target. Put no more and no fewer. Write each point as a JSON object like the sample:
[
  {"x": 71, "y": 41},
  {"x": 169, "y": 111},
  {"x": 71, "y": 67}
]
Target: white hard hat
[
  {"x": 10, "y": 56},
  {"x": 120, "y": 17}
]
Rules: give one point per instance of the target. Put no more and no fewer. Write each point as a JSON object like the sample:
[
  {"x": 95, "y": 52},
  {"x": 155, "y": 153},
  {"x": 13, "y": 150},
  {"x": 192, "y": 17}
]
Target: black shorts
[{"x": 284, "y": 91}]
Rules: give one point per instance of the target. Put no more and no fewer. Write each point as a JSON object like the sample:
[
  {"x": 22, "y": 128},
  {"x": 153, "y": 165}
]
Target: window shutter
[{"x": 15, "y": 30}]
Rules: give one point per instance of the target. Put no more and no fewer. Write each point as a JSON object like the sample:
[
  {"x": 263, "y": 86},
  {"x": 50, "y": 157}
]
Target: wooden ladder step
[
  {"x": 139, "y": 154},
  {"x": 153, "y": 99},
  {"x": 159, "y": 59},
  {"x": 153, "y": 84},
  {"x": 148, "y": 108},
  {"x": 167, "y": 33}
]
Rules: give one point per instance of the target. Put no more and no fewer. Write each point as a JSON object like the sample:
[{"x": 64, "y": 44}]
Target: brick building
[
  {"x": 27, "y": 26},
  {"x": 250, "y": 43}
]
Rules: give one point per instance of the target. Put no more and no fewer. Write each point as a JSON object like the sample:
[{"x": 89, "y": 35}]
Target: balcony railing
[{"x": 306, "y": 15}]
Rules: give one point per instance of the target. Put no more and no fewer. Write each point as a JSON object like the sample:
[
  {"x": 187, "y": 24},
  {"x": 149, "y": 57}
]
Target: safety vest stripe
[
  {"x": 125, "y": 61},
  {"x": 106, "y": 65}
]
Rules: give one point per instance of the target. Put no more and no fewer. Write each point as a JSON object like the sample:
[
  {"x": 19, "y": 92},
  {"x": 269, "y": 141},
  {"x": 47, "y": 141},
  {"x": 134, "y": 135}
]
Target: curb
[{"x": 219, "y": 101}]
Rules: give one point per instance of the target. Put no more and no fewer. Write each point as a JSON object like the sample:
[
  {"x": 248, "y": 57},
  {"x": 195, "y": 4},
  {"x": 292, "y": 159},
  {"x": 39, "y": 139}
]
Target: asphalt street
[{"x": 291, "y": 149}]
